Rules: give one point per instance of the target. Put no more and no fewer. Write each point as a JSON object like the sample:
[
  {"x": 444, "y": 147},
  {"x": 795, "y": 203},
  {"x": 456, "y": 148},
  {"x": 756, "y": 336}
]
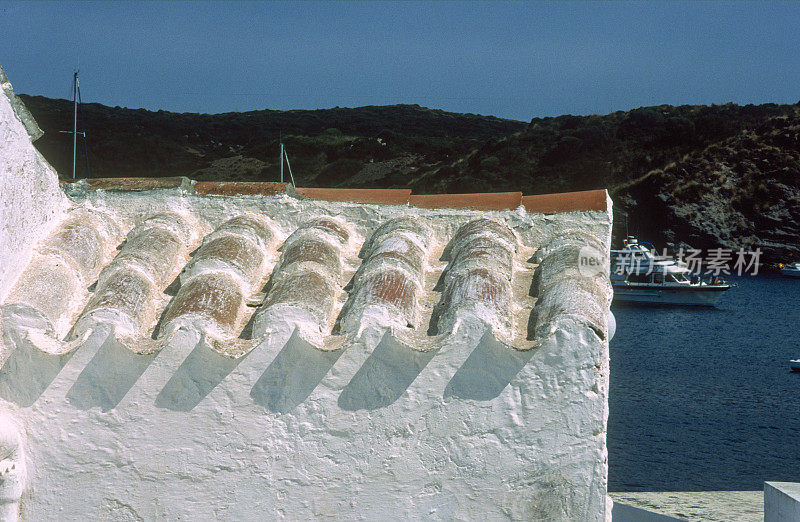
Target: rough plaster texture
[
  {"x": 781, "y": 501},
  {"x": 20, "y": 110},
  {"x": 13, "y": 465},
  {"x": 470, "y": 429},
  {"x": 30, "y": 199},
  {"x": 696, "y": 506}
]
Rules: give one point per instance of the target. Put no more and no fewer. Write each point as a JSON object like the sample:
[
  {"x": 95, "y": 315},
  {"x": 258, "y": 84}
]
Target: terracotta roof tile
[
  {"x": 334, "y": 280},
  {"x": 566, "y": 202},
  {"x": 386, "y": 286},
  {"x": 477, "y": 278},
  {"x": 485, "y": 201},
  {"x": 136, "y": 184},
  {"x": 540, "y": 203},
  {"x": 239, "y": 188},
  {"x": 388, "y": 259},
  {"x": 367, "y": 196},
  {"x": 303, "y": 286}
]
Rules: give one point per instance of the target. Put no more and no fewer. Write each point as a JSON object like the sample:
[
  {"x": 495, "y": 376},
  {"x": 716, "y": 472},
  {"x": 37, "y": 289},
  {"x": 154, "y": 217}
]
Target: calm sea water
[{"x": 703, "y": 399}]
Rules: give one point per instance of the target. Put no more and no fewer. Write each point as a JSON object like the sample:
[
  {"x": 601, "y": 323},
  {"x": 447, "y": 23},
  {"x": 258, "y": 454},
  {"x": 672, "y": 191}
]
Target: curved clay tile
[
  {"x": 394, "y": 250},
  {"x": 390, "y": 290},
  {"x": 420, "y": 231},
  {"x": 330, "y": 226},
  {"x": 481, "y": 294},
  {"x": 81, "y": 241},
  {"x": 154, "y": 247},
  {"x": 481, "y": 227},
  {"x": 41, "y": 302},
  {"x": 250, "y": 225},
  {"x": 305, "y": 284},
  {"x": 388, "y": 282},
  {"x": 307, "y": 297},
  {"x": 477, "y": 279},
  {"x": 240, "y": 245},
  {"x": 567, "y": 290},
  {"x": 181, "y": 225},
  {"x": 216, "y": 284},
  {"x": 310, "y": 252},
  {"x": 211, "y": 303},
  {"x": 484, "y": 251},
  {"x": 52, "y": 288},
  {"x": 228, "y": 252},
  {"x": 126, "y": 300},
  {"x": 128, "y": 287},
  {"x": 561, "y": 259}
]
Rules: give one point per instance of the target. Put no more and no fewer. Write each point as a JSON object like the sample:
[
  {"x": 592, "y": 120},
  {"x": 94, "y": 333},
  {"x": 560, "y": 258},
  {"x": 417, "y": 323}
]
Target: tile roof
[
  {"x": 543, "y": 203},
  {"x": 567, "y": 201},
  {"x": 136, "y": 184},
  {"x": 368, "y": 196},
  {"x": 487, "y": 201},
  {"x": 426, "y": 270},
  {"x": 239, "y": 188}
]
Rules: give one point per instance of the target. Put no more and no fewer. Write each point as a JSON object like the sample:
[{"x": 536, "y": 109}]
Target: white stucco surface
[
  {"x": 446, "y": 449},
  {"x": 466, "y": 428},
  {"x": 781, "y": 501},
  {"x": 30, "y": 199}
]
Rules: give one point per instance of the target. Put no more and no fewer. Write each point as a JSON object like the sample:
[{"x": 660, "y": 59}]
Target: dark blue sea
[{"x": 703, "y": 399}]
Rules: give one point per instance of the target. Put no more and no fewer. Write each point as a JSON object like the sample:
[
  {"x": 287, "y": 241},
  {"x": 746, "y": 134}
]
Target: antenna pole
[
  {"x": 280, "y": 139},
  {"x": 74, "y": 122},
  {"x": 282, "y": 162},
  {"x": 289, "y": 165}
]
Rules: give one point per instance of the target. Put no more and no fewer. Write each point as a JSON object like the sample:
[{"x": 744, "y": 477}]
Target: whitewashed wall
[
  {"x": 30, "y": 199},
  {"x": 476, "y": 430},
  {"x": 126, "y": 437}
]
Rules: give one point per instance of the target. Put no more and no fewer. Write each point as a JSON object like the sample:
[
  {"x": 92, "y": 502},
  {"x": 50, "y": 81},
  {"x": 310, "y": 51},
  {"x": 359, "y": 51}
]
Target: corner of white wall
[
  {"x": 31, "y": 201},
  {"x": 781, "y": 501}
]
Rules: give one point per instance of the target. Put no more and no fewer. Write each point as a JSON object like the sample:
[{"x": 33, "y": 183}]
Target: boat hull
[
  {"x": 694, "y": 296},
  {"x": 790, "y": 272}
]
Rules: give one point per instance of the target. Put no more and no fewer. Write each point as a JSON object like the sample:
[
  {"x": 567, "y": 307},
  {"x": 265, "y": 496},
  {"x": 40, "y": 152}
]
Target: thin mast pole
[
  {"x": 286, "y": 155},
  {"x": 74, "y": 122},
  {"x": 281, "y": 162}
]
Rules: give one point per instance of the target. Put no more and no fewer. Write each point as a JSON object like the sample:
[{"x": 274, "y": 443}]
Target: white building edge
[{"x": 448, "y": 363}]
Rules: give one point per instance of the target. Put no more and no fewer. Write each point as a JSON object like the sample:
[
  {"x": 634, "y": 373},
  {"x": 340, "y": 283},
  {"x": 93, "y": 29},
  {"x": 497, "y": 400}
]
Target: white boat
[
  {"x": 791, "y": 270},
  {"x": 795, "y": 365},
  {"x": 639, "y": 275}
]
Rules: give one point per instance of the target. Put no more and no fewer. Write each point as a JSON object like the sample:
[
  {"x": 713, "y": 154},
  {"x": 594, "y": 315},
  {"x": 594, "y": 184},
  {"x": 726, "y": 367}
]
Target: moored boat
[
  {"x": 790, "y": 270},
  {"x": 639, "y": 275}
]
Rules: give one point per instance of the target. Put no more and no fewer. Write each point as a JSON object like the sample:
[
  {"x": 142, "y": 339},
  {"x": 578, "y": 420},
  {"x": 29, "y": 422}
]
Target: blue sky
[{"x": 515, "y": 60}]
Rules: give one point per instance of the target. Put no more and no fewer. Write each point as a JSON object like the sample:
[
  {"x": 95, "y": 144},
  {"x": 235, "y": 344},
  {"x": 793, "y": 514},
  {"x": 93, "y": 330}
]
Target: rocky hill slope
[
  {"x": 721, "y": 175},
  {"x": 743, "y": 192}
]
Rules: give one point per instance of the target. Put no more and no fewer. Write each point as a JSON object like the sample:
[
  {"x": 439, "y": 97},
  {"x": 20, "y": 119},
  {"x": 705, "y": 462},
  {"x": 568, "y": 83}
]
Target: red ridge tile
[
  {"x": 485, "y": 201},
  {"x": 239, "y": 188},
  {"x": 566, "y": 202},
  {"x": 542, "y": 203},
  {"x": 367, "y": 196},
  {"x": 136, "y": 184}
]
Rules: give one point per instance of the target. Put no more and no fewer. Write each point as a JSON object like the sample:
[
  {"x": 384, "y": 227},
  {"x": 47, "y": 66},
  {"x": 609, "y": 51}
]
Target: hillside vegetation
[
  {"x": 721, "y": 175},
  {"x": 743, "y": 192}
]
